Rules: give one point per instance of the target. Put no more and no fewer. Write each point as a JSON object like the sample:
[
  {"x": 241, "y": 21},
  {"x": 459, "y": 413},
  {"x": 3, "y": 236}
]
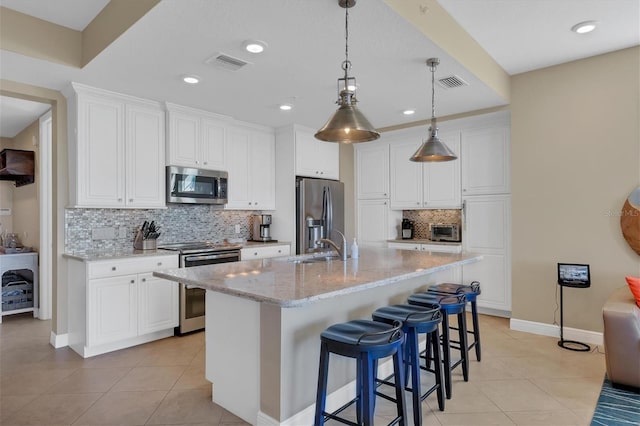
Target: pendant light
[
  {"x": 347, "y": 124},
  {"x": 433, "y": 149}
]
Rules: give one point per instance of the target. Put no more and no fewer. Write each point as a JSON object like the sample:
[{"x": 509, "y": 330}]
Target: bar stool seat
[
  {"x": 416, "y": 320},
  {"x": 367, "y": 342},
  {"x": 471, "y": 291},
  {"x": 449, "y": 305}
]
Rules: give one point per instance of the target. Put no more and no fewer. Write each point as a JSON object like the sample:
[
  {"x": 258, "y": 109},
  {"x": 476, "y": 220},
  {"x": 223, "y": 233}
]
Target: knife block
[{"x": 139, "y": 243}]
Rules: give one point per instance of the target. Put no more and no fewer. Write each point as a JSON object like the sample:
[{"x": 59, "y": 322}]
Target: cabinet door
[
  {"x": 316, "y": 158},
  {"x": 373, "y": 223},
  {"x": 404, "y": 246},
  {"x": 100, "y": 156},
  {"x": 250, "y": 253},
  {"x": 239, "y": 186},
  {"x": 486, "y": 161},
  {"x": 486, "y": 223},
  {"x": 493, "y": 273},
  {"x": 113, "y": 309},
  {"x": 158, "y": 304},
  {"x": 184, "y": 137},
  {"x": 372, "y": 170},
  {"x": 441, "y": 181},
  {"x": 213, "y": 147},
  {"x": 262, "y": 171},
  {"x": 145, "y": 157},
  {"x": 405, "y": 177}
]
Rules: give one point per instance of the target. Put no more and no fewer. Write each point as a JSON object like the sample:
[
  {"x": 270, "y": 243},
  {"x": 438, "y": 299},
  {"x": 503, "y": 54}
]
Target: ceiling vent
[
  {"x": 227, "y": 62},
  {"x": 451, "y": 82}
]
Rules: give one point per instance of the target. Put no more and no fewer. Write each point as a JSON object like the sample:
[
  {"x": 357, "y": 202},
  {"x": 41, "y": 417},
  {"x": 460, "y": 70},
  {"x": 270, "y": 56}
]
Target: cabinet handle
[
  {"x": 133, "y": 281},
  {"x": 144, "y": 280},
  {"x": 385, "y": 194},
  {"x": 255, "y": 253},
  {"x": 255, "y": 203},
  {"x": 321, "y": 173},
  {"x": 119, "y": 199},
  {"x": 279, "y": 251},
  {"x": 385, "y": 203},
  {"x": 464, "y": 190},
  {"x": 418, "y": 203},
  {"x": 159, "y": 263},
  {"x": 131, "y": 200},
  {"x": 197, "y": 162},
  {"x": 205, "y": 163},
  {"x": 249, "y": 202},
  {"x": 113, "y": 268}
]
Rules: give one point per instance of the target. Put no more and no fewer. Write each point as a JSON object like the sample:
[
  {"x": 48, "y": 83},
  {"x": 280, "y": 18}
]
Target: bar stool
[
  {"x": 449, "y": 305},
  {"x": 471, "y": 291},
  {"x": 367, "y": 342},
  {"x": 416, "y": 320}
]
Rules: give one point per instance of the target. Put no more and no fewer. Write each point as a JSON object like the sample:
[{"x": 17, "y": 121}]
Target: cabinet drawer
[
  {"x": 442, "y": 248},
  {"x": 116, "y": 267},
  {"x": 264, "y": 252}
]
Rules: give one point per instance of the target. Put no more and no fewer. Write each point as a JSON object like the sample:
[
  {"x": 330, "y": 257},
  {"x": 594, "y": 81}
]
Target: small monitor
[{"x": 573, "y": 275}]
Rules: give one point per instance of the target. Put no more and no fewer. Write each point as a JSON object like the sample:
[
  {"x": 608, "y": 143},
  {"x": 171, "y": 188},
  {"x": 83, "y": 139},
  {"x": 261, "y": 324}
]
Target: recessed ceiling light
[
  {"x": 286, "y": 107},
  {"x": 409, "y": 111},
  {"x": 191, "y": 79},
  {"x": 584, "y": 27},
  {"x": 255, "y": 46}
]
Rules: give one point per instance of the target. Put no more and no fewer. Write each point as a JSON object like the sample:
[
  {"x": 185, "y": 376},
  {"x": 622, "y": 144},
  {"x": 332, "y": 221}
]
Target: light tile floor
[{"x": 523, "y": 379}]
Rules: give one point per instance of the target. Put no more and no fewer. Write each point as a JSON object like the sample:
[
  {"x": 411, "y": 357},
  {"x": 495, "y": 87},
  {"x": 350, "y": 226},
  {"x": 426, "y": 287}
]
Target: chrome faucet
[{"x": 342, "y": 252}]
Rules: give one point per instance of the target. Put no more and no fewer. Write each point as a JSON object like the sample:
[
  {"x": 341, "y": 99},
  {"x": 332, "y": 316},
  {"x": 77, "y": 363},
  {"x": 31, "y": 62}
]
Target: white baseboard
[
  {"x": 552, "y": 330},
  {"x": 59, "y": 340}
]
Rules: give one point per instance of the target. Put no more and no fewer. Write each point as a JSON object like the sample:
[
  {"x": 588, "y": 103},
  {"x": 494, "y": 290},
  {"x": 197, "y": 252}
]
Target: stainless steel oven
[{"x": 192, "y": 300}]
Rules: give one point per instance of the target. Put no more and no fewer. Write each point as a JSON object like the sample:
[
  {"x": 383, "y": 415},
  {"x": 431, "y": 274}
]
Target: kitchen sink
[{"x": 314, "y": 259}]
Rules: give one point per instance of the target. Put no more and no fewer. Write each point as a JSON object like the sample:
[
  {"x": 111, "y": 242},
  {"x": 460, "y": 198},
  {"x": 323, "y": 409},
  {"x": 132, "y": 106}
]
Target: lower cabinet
[
  {"x": 264, "y": 252},
  {"x": 118, "y": 303}
]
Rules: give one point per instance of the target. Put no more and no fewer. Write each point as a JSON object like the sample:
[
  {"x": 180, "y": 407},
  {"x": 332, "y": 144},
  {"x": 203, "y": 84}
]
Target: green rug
[{"x": 616, "y": 407}]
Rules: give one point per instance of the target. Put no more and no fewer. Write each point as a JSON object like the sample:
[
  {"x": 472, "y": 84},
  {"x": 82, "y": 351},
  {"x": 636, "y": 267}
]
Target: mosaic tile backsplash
[
  {"x": 179, "y": 223},
  {"x": 422, "y": 218}
]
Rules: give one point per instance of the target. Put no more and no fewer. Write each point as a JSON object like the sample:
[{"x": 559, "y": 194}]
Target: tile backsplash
[
  {"x": 422, "y": 218},
  {"x": 179, "y": 223}
]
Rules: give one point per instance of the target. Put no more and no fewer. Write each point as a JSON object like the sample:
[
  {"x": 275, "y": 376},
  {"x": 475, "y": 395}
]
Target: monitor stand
[{"x": 571, "y": 345}]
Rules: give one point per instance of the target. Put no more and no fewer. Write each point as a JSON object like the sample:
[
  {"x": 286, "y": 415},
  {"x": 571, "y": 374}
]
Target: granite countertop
[
  {"x": 425, "y": 241},
  {"x": 284, "y": 282},
  {"x": 90, "y": 256}
]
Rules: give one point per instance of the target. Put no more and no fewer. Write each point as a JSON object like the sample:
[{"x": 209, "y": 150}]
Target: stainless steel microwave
[
  {"x": 196, "y": 186},
  {"x": 445, "y": 232}
]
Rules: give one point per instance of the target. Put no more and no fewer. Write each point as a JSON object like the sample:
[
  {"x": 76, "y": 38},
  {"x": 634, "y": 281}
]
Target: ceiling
[
  {"x": 305, "y": 50},
  {"x": 16, "y": 114}
]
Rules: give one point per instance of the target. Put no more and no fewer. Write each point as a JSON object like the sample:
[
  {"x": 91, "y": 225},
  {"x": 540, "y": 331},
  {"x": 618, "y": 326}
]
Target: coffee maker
[{"x": 261, "y": 227}]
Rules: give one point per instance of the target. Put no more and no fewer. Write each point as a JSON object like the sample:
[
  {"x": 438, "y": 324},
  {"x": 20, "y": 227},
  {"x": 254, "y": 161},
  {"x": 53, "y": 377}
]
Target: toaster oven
[{"x": 445, "y": 232}]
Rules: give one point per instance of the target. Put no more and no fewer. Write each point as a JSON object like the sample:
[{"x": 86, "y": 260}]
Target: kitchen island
[{"x": 264, "y": 319}]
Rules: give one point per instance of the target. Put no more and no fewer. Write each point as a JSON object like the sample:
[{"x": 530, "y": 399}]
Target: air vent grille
[
  {"x": 451, "y": 82},
  {"x": 227, "y": 62}
]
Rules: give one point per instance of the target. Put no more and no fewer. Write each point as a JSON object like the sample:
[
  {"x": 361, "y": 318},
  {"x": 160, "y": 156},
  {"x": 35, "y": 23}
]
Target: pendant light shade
[
  {"x": 347, "y": 124},
  {"x": 433, "y": 149}
]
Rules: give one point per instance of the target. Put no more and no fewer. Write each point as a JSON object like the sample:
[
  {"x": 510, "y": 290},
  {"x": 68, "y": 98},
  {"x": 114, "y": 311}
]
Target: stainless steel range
[{"x": 192, "y": 300}]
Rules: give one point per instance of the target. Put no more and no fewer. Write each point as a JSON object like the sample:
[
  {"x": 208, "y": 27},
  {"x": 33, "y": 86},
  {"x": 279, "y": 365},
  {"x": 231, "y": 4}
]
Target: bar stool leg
[
  {"x": 413, "y": 358},
  {"x": 476, "y": 330},
  {"x": 446, "y": 352},
  {"x": 464, "y": 348},
  {"x": 400, "y": 382},
  {"x": 322, "y": 385},
  {"x": 435, "y": 347}
]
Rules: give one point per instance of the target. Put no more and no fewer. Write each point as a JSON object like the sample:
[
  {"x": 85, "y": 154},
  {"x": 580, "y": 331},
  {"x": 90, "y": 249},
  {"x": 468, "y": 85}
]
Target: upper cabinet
[
  {"x": 424, "y": 185},
  {"x": 116, "y": 150},
  {"x": 486, "y": 161},
  {"x": 251, "y": 169},
  {"x": 316, "y": 158},
  {"x": 372, "y": 170},
  {"x": 197, "y": 139}
]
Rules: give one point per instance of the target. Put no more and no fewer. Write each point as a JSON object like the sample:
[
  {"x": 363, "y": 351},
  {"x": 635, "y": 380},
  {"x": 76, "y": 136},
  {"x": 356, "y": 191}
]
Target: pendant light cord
[
  {"x": 346, "y": 64},
  {"x": 433, "y": 93}
]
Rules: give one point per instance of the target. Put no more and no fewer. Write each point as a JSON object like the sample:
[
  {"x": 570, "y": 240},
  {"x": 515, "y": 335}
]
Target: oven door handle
[{"x": 210, "y": 257}]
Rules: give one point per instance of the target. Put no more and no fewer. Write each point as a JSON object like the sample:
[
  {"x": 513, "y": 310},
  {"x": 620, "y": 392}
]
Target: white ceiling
[
  {"x": 17, "y": 114},
  {"x": 74, "y": 14},
  {"x": 305, "y": 50}
]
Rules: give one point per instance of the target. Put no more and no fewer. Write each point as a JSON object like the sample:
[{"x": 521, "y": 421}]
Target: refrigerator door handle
[{"x": 329, "y": 213}]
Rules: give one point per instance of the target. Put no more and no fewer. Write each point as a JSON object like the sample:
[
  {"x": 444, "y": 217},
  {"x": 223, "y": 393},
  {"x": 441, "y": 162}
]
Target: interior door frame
[{"x": 46, "y": 208}]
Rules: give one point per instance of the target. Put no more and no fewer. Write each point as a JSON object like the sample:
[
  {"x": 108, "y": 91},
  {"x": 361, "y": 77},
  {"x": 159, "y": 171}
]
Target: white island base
[{"x": 262, "y": 358}]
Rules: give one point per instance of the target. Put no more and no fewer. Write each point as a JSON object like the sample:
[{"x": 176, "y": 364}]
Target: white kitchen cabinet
[
  {"x": 486, "y": 161},
  {"x": 372, "y": 170},
  {"x": 316, "y": 158},
  {"x": 118, "y": 303},
  {"x": 116, "y": 150},
  {"x": 415, "y": 185},
  {"x": 197, "y": 139},
  {"x": 436, "y": 248},
  {"x": 487, "y": 230},
  {"x": 251, "y": 169},
  {"x": 263, "y": 252},
  {"x": 374, "y": 226}
]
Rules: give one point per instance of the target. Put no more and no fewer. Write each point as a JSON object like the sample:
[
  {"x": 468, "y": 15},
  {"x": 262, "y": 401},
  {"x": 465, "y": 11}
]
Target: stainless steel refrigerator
[{"x": 319, "y": 210}]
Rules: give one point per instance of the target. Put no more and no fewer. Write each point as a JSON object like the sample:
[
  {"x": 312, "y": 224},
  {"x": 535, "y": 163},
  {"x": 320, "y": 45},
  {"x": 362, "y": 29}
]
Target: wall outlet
[
  {"x": 106, "y": 233},
  {"x": 237, "y": 229}
]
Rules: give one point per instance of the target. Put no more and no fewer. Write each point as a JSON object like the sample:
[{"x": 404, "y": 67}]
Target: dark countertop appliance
[
  {"x": 262, "y": 228},
  {"x": 407, "y": 229},
  {"x": 192, "y": 300}
]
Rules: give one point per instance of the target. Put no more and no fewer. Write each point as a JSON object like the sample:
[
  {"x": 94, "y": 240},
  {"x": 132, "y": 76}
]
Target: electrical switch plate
[{"x": 237, "y": 229}]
